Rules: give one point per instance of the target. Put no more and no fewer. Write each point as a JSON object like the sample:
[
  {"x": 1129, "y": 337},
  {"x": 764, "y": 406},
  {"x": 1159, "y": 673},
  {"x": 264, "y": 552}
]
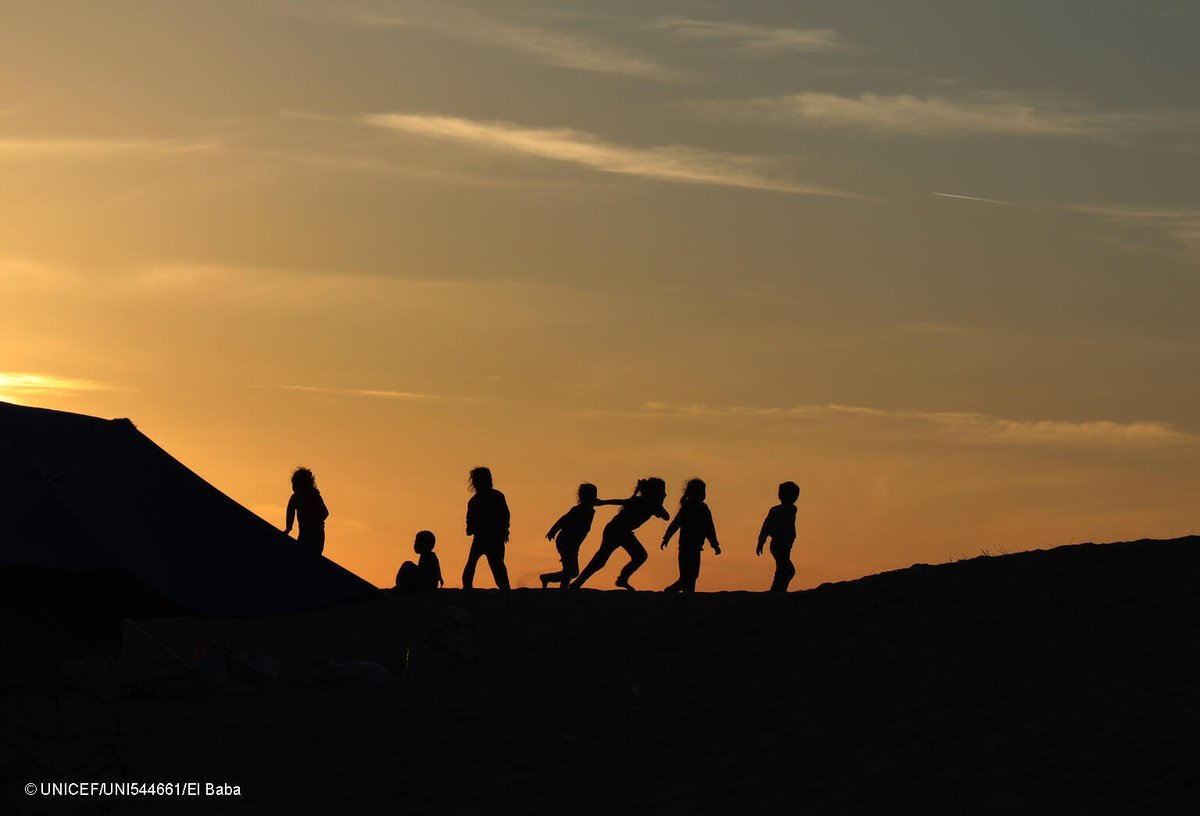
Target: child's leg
[
  {"x": 472, "y": 557},
  {"x": 569, "y": 556},
  {"x": 681, "y": 581},
  {"x": 406, "y": 577},
  {"x": 689, "y": 569},
  {"x": 607, "y": 548},
  {"x": 637, "y": 557},
  {"x": 495, "y": 558},
  {"x": 784, "y": 570},
  {"x": 570, "y": 563}
]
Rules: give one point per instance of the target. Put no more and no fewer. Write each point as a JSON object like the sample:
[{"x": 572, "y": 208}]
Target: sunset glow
[{"x": 913, "y": 258}]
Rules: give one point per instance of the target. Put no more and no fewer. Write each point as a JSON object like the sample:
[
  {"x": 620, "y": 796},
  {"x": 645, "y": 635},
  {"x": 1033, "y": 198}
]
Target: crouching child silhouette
[
  {"x": 426, "y": 574},
  {"x": 307, "y": 507},
  {"x": 694, "y": 522},
  {"x": 780, "y": 527},
  {"x": 572, "y": 528}
]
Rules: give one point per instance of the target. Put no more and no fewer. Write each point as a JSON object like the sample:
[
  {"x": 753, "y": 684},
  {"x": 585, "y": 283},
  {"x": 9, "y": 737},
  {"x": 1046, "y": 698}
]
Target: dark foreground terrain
[{"x": 1062, "y": 681}]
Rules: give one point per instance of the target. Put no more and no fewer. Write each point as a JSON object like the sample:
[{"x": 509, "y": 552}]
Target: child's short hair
[
  {"x": 480, "y": 479},
  {"x": 424, "y": 541},
  {"x": 302, "y": 478},
  {"x": 789, "y": 492},
  {"x": 587, "y": 490}
]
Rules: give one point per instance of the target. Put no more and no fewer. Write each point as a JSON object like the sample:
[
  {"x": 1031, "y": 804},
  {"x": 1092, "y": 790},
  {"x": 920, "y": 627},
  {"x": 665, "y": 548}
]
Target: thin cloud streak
[
  {"x": 753, "y": 39},
  {"x": 366, "y": 392},
  {"x": 978, "y": 113},
  {"x": 973, "y": 198},
  {"x": 542, "y": 45},
  {"x": 60, "y": 147},
  {"x": 969, "y": 427},
  {"x": 674, "y": 163}
]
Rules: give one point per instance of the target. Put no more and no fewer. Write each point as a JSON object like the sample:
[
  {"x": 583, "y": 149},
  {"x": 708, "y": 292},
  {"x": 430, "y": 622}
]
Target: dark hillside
[{"x": 1063, "y": 681}]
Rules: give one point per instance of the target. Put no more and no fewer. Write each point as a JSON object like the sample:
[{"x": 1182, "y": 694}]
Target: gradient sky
[{"x": 936, "y": 261}]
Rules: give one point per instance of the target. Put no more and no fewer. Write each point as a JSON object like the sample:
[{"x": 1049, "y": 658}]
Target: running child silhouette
[
  {"x": 646, "y": 501},
  {"x": 424, "y": 575},
  {"x": 307, "y": 506},
  {"x": 487, "y": 521},
  {"x": 572, "y": 528},
  {"x": 694, "y": 522},
  {"x": 780, "y": 527}
]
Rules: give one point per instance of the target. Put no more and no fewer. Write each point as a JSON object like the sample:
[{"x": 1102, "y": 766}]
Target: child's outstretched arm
[{"x": 662, "y": 513}]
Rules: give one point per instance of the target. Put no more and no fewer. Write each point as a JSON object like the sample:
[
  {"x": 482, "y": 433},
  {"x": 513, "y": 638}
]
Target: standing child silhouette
[
  {"x": 307, "y": 506},
  {"x": 694, "y": 522},
  {"x": 487, "y": 521},
  {"x": 572, "y": 528},
  {"x": 780, "y": 527},
  {"x": 646, "y": 501}
]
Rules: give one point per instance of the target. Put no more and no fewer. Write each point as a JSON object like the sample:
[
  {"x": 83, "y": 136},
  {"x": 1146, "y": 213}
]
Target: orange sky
[{"x": 948, "y": 288}]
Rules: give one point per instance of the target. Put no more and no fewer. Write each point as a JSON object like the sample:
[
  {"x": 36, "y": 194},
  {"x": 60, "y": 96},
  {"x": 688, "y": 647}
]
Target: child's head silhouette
[
  {"x": 302, "y": 479},
  {"x": 481, "y": 479},
  {"x": 424, "y": 542},
  {"x": 789, "y": 492},
  {"x": 694, "y": 490},
  {"x": 587, "y": 493},
  {"x": 652, "y": 487}
]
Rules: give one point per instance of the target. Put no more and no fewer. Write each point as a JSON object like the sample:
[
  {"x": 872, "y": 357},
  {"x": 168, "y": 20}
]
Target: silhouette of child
[
  {"x": 307, "y": 507},
  {"x": 780, "y": 527},
  {"x": 424, "y": 575},
  {"x": 571, "y": 530},
  {"x": 646, "y": 501},
  {"x": 487, "y": 521},
  {"x": 694, "y": 522}
]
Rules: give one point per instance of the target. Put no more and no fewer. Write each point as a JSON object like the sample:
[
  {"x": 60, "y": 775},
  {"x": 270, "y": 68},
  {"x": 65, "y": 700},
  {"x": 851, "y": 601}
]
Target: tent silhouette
[{"x": 91, "y": 502}]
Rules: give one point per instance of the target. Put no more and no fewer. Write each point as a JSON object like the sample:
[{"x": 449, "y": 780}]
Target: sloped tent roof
[{"x": 79, "y": 493}]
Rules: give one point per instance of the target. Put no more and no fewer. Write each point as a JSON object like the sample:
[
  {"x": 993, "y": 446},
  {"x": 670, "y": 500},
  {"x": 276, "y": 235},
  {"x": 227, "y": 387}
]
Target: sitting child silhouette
[{"x": 424, "y": 575}]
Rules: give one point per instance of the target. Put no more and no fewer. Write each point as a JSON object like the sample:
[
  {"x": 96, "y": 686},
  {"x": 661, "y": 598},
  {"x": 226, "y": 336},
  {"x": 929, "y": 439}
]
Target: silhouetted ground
[{"x": 1061, "y": 681}]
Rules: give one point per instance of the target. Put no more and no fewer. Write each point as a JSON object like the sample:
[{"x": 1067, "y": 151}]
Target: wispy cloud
[
  {"x": 973, "y": 198},
  {"x": 1179, "y": 224},
  {"x": 968, "y": 427},
  {"x": 675, "y": 163},
  {"x": 973, "y": 113},
  {"x": 540, "y": 44},
  {"x": 364, "y": 392},
  {"x": 14, "y": 385},
  {"x": 754, "y": 39},
  {"x": 63, "y": 147}
]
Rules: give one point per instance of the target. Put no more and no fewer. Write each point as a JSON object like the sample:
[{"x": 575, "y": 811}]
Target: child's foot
[
  {"x": 544, "y": 580},
  {"x": 623, "y": 583}
]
